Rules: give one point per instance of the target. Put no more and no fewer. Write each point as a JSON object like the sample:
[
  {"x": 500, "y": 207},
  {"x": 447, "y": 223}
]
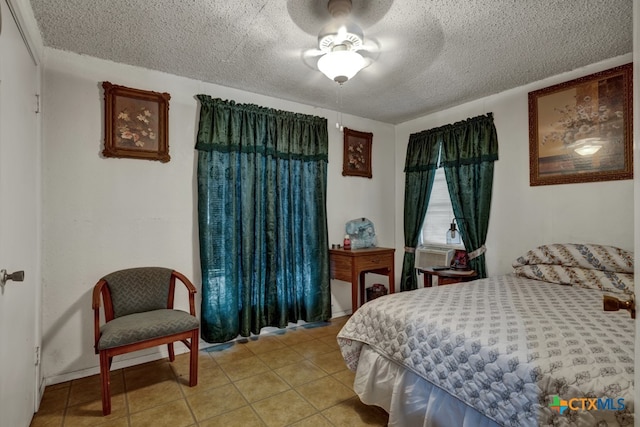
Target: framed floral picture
[
  {"x": 581, "y": 130},
  {"x": 136, "y": 123},
  {"x": 357, "y": 153}
]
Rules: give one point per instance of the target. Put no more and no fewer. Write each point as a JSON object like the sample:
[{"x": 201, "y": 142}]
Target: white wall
[
  {"x": 524, "y": 217},
  {"x": 103, "y": 214}
]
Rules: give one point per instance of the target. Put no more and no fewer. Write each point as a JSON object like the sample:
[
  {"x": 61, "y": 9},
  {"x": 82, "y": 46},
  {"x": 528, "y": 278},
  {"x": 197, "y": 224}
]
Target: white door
[{"x": 19, "y": 229}]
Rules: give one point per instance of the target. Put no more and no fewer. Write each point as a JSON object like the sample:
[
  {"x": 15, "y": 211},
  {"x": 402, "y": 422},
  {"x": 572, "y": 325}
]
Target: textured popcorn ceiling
[{"x": 432, "y": 54}]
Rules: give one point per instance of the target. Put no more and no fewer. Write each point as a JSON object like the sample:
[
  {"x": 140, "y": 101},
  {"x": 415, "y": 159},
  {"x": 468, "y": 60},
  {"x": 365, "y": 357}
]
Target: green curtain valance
[
  {"x": 226, "y": 126},
  {"x": 480, "y": 128},
  {"x": 422, "y": 152}
]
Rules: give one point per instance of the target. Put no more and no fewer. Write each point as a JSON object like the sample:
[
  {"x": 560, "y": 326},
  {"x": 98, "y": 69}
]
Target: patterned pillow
[
  {"x": 598, "y": 257},
  {"x": 582, "y": 277},
  {"x": 604, "y": 268}
]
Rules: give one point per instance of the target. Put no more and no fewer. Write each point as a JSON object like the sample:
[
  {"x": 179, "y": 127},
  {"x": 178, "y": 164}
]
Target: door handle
[{"x": 16, "y": 276}]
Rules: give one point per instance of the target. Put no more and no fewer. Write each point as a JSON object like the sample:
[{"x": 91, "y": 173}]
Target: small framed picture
[
  {"x": 460, "y": 260},
  {"x": 357, "y": 153},
  {"x": 136, "y": 123}
]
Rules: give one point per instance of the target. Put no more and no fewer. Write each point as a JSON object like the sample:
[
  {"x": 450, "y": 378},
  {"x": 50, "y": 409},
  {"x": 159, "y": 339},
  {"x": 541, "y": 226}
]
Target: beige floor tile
[
  {"x": 325, "y": 392},
  {"x": 340, "y": 320},
  {"x": 346, "y": 377},
  {"x": 90, "y": 413},
  {"x": 65, "y": 384},
  {"x": 209, "y": 373},
  {"x": 353, "y": 413},
  {"x": 295, "y": 336},
  {"x": 283, "y": 409},
  {"x": 300, "y": 373},
  {"x": 243, "y": 417},
  {"x": 244, "y": 368},
  {"x": 207, "y": 378},
  {"x": 90, "y": 388},
  {"x": 261, "y": 386},
  {"x": 312, "y": 348},
  {"x": 172, "y": 414},
  {"x": 47, "y": 419},
  {"x": 54, "y": 399},
  {"x": 329, "y": 362},
  {"x": 148, "y": 365},
  {"x": 148, "y": 374},
  {"x": 264, "y": 343},
  {"x": 281, "y": 357},
  {"x": 118, "y": 422},
  {"x": 322, "y": 330},
  {"x": 331, "y": 341},
  {"x": 317, "y": 420},
  {"x": 151, "y": 395},
  {"x": 215, "y": 401},
  {"x": 181, "y": 365},
  {"x": 229, "y": 352}
]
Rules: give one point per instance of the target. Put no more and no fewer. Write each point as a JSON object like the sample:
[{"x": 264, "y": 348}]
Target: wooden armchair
[{"x": 138, "y": 312}]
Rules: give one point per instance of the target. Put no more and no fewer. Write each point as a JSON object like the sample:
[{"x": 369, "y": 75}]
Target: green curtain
[
  {"x": 469, "y": 149},
  {"x": 262, "y": 184},
  {"x": 420, "y": 169}
]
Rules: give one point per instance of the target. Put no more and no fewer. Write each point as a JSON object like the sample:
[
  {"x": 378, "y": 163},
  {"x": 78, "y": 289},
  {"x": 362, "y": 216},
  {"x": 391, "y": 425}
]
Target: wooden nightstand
[
  {"x": 351, "y": 266},
  {"x": 447, "y": 277}
]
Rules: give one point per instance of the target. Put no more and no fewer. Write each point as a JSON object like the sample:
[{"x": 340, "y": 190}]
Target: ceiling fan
[{"x": 342, "y": 50}]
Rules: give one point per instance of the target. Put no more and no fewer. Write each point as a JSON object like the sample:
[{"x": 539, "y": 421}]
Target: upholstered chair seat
[
  {"x": 139, "y": 327},
  {"x": 138, "y": 314}
]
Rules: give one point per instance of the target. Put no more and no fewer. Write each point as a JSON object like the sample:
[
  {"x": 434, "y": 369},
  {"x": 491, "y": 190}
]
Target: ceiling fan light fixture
[
  {"x": 340, "y": 33},
  {"x": 341, "y": 65}
]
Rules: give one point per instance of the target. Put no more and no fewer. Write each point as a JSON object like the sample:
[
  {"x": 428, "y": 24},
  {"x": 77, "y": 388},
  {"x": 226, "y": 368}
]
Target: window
[{"x": 439, "y": 213}]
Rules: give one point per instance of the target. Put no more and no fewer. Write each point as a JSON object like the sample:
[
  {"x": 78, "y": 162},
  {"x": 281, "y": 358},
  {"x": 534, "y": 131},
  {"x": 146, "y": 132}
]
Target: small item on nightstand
[
  {"x": 347, "y": 242},
  {"x": 375, "y": 291}
]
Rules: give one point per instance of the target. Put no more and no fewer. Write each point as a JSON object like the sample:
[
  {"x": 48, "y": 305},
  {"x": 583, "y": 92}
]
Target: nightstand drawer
[{"x": 374, "y": 261}]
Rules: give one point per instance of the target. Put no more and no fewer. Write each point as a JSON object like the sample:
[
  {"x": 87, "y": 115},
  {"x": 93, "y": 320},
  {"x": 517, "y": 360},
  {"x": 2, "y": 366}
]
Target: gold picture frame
[
  {"x": 581, "y": 130},
  {"x": 136, "y": 123},
  {"x": 357, "y": 153}
]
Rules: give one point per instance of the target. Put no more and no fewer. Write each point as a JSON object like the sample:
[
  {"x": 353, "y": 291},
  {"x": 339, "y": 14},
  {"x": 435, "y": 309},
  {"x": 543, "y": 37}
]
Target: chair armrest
[
  {"x": 97, "y": 291},
  {"x": 192, "y": 291}
]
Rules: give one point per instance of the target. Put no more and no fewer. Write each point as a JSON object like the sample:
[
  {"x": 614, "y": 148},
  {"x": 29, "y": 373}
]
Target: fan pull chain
[{"x": 339, "y": 113}]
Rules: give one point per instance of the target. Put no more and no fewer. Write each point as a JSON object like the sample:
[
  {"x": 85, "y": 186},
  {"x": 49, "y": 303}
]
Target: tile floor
[{"x": 292, "y": 377}]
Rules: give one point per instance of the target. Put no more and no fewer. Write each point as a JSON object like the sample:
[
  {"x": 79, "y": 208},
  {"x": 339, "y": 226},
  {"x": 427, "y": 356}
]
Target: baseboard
[
  {"x": 162, "y": 353},
  {"x": 340, "y": 314},
  {"x": 41, "y": 387}
]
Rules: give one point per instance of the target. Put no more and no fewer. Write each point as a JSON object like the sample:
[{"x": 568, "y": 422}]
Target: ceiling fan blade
[
  {"x": 404, "y": 51},
  {"x": 312, "y": 53},
  {"x": 370, "y": 45},
  {"x": 311, "y": 15},
  {"x": 310, "y": 57}
]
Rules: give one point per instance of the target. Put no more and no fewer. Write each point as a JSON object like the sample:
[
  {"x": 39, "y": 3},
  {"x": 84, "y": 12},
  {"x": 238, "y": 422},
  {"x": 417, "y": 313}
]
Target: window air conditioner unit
[{"x": 434, "y": 256}]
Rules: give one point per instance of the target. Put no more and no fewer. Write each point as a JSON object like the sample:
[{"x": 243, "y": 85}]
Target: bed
[{"x": 532, "y": 348}]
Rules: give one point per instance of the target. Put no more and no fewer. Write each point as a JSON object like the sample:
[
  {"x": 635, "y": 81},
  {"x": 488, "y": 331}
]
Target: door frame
[{"x": 24, "y": 18}]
